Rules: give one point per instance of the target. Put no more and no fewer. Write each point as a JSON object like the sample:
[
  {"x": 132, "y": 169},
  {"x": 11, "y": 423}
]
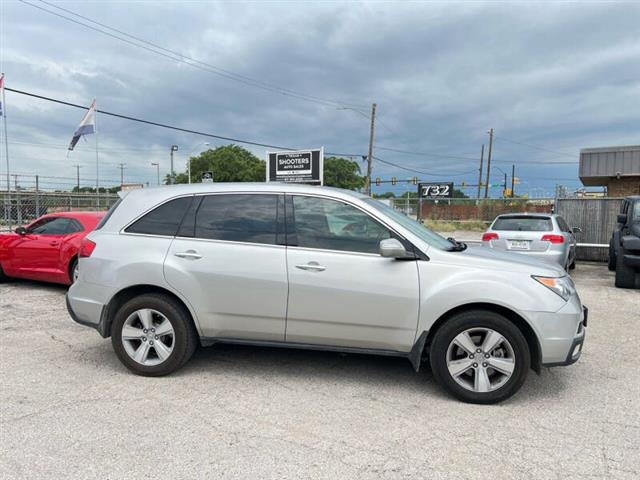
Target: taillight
[
  {"x": 489, "y": 236},
  {"x": 86, "y": 248},
  {"x": 553, "y": 238}
]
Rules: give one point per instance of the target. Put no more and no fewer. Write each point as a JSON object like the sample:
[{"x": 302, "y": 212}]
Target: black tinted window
[
  {"x": 109, "y": 213},
  {"x": 334, "y": 225},
  {"x": 564, "y": 226},
  {"x": 163, "y": 220},
  {"x": 74, "y": 226},
  {"x": 51, "y": 226},
  {"x": 523, "y": 223},
  {"x": 238, "y": 217}
]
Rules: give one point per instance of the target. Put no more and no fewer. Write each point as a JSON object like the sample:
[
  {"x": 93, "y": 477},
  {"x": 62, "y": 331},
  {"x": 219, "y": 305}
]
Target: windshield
[
  {"x": 636, "y": 211},
  {"x": 523, "y": 223},
  {"x": 418, "y": 229}
]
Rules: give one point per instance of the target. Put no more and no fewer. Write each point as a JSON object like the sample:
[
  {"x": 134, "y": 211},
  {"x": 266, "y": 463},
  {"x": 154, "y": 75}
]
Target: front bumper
[{"x": 575, "y": 348}]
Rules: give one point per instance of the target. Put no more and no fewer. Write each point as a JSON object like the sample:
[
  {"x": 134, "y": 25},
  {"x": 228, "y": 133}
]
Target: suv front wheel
[
  {"x": 153, "y": 335},
  {"x": 480, "y": 357}
]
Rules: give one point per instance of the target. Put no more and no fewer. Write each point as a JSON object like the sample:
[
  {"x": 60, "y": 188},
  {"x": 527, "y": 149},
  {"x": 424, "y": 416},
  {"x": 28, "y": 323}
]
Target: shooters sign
[{"x": 300, "y": 166}]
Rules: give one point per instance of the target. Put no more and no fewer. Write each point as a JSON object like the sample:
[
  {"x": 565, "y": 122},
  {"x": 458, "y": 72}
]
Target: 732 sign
[{"x": 435, "y": 190}]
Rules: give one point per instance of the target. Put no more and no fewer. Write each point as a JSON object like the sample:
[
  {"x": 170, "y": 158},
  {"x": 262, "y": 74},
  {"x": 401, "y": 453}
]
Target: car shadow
[{"x": 286, "y": 366}]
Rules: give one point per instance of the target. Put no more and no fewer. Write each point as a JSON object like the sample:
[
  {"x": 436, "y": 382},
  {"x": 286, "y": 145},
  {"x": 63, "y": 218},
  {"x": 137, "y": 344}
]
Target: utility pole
[
  {"x": 486, "y": 187},
  {"x": 122, "y": 166},
  {"x": 480, "y": 174},
  {"x": 172, "y": 175},
  {"x": 367, "y": 184},
  {"x": 513, "y": 180},
  {"x": 157, "y": 165},
  {"x": 504, "y": 189},
  {"x": 78, "y": 167}
]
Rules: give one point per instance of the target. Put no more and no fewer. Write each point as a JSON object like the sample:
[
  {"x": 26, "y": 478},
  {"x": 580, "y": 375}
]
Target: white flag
[{"x": 87, "y": 125}]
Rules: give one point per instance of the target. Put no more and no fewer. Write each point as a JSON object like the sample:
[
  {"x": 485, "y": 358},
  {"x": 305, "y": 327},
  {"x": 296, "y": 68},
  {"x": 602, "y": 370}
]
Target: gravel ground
[{"x": 70, "y": 410}]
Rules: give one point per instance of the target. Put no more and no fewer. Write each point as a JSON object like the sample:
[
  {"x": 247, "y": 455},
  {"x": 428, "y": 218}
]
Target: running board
[{"x": 208, "y": 341}]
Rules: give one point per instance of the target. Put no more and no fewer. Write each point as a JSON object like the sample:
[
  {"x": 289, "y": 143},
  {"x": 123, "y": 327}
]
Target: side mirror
[
  {"x": 21, "y": 231},
  {"x": 622, "y": 218},
  {"x": 576, "y": 230},
  {"x": 392, "y": 248}
]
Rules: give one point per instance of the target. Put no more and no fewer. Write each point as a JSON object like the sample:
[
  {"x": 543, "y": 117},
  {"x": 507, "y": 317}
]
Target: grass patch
[{"x": 453, "y": 225}]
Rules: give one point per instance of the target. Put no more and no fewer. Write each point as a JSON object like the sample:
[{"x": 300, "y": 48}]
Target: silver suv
[{"x": 295, "y": 266}]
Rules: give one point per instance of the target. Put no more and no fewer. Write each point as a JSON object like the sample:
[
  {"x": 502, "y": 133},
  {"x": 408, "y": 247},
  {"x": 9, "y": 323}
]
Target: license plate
[{"x": 520, "y": 244}]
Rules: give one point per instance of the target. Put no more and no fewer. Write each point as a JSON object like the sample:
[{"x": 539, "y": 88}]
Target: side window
[
  {"x": 334, "y": 225},
  {"x": 74, "y": 226},
  {"x": 51, "y": 226},
  {"x": 162, "y": 220},
  {"x": 238, "y": 217},
  {"x": 563, "y": 224}
]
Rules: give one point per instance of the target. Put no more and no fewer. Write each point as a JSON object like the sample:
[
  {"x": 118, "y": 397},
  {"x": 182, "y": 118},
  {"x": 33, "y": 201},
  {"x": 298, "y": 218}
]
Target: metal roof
[{"x": 597, "y": 164}]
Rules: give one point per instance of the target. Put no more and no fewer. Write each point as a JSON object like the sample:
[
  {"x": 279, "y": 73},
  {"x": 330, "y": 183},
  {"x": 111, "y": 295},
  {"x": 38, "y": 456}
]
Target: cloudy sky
[{"x": 550, "y": 78}]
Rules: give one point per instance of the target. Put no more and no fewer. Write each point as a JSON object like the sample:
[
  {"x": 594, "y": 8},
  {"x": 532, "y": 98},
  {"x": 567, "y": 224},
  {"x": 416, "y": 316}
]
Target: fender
[
  {"x": 631, "y": 242},
  {"x": 444, "y": 294}
]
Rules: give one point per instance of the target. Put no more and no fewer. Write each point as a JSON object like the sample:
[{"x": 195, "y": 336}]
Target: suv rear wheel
[
  {"x": 153, "y": 335},
  {"x": 612, "y": 256},
  {"x": 480, "y": 357}
]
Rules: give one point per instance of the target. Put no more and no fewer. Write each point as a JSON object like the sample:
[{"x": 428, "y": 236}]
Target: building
[{"x": 617, "y": 168}]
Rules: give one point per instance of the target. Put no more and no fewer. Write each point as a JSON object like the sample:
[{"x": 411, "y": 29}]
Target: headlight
[{"x": 563, "y": 286}]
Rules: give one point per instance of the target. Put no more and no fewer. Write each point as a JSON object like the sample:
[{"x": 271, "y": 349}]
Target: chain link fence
[
  {"x": 469, "y": 210},
  {"x": 24, "y": 206}
]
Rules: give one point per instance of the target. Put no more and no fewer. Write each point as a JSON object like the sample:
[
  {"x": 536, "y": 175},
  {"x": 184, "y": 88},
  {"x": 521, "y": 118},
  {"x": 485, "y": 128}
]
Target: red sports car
[{"x": 46, "y": 249}]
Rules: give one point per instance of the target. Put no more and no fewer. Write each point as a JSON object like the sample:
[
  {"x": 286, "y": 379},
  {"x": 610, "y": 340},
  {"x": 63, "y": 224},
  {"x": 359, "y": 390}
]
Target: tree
[
  {"x": 459, "y": 194},
  {"x": 342, "y": 173},
  {"x": 384, "y": 195},
  {"x": 229, "y": 163}
]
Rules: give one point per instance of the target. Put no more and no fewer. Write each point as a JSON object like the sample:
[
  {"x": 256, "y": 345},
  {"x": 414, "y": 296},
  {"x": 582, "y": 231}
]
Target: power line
[
  {"x": 162, "y": 125},
  {"x": 427, "y": 154},
  {"x": 180, "y": 57},
  {"x": 409, "y": 169},
  {"x": 535, "y": 146}
]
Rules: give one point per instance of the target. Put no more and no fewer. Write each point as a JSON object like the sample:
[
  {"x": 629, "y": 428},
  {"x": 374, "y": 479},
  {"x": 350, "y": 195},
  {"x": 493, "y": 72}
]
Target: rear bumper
[
  {"x": 556, "y": 257},
  {"x": 87, "y": 321}
]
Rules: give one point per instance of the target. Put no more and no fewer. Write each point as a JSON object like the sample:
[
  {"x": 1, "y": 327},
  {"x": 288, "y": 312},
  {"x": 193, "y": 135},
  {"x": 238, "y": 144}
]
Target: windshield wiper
[{"x": 456, "y": 245}]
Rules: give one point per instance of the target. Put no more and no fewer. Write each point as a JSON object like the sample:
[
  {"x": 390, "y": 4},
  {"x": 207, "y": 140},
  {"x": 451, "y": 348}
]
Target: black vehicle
[{"x": 624, "y": 247}]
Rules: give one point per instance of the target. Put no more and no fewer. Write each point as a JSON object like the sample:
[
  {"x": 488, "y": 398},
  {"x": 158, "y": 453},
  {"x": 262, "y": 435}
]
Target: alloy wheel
[
  {"x": 148, "y": 337},
  {"x": 480, "y": 359}
]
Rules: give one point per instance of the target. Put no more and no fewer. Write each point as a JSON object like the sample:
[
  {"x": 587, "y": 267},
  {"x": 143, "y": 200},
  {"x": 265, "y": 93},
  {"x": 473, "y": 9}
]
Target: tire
[
  {"x": 477, "y": 322},
  {"x": 572, "y": 266},
  {"x": 3, "y": 277},
  {"x": 73, "y": 266},
  {"x": 625, "y": 275},
  {"x": 612, "y": 257},
  {"x": 181, "y": 342}
]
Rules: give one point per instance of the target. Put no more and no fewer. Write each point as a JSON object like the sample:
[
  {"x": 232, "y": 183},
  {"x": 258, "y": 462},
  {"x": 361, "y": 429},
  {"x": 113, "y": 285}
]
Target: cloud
[{"x": 561, "y": 76}]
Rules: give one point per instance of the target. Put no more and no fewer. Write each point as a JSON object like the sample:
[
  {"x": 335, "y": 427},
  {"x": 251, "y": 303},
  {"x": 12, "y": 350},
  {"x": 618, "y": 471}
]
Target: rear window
[
  {"x": 238, "y": 217},
  {"x": 163, "y": 220},
  {"x": 109, "y": 213},
  {"x": 523, "y": 223}
]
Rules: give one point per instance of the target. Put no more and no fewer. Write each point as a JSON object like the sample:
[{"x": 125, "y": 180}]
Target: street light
[
  {"x": 504, "y": 190},
  {"x": 189, "y": 158},
  {"x": 157, "y": 165},
  {"x": 172, "y": 179}
]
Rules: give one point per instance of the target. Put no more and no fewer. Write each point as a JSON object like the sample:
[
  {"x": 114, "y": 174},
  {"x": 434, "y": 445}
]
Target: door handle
[
  {"x": 53, "y": 243},
  {"x": 312, "y": 266},
  {"x": 192, "y": 254}
]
